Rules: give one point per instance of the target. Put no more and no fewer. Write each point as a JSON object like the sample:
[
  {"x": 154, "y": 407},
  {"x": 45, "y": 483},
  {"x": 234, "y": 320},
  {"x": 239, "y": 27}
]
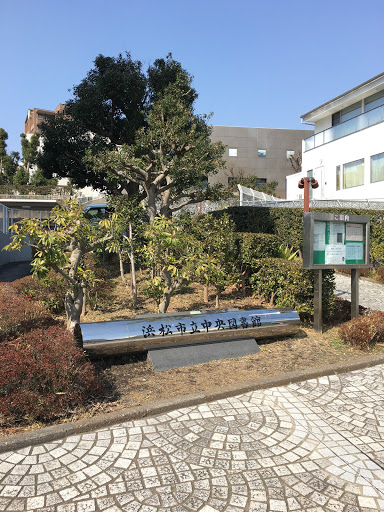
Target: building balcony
[{"x": 353, "y": 125}]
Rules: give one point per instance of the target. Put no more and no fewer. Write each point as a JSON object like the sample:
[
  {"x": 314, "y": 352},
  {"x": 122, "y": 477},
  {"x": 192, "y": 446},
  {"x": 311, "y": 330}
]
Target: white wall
[
  {"x": 25, "y": 254},
  {"x": 324, "y": 159}
]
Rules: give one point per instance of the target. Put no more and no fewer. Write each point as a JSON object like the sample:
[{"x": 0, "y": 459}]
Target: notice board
[{"x": 335, "y": 240}]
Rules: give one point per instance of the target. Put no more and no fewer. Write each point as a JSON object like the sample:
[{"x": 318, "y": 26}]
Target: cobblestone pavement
[
  {"x": 312, "y": 446},
  {"x": 371, "y": 295}
]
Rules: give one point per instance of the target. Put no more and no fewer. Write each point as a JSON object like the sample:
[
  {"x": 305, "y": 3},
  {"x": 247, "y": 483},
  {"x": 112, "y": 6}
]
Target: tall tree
[
  {"x": 10, "y": 167},
  {"x": 166, "y": 147},
  {"x": 21, "y": 177},
  {"x": 171, "y": 158},
  {"x": 3, "y": 144},
  {"x": 107, "y": 109},
  {"x": 29, "y": 150}
]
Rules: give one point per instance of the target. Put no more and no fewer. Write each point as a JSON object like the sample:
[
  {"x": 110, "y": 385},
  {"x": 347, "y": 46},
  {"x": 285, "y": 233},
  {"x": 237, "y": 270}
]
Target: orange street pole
[
  {"x": 306, "y": 195},
  {"x": 305, "y": 183}
]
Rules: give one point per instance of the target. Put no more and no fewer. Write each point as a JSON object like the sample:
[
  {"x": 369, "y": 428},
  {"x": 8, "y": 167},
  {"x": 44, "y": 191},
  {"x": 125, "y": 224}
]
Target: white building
[{"x": 346, "y": 153}]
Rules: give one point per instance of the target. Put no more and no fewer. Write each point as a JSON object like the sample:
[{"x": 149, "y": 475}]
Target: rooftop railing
[{"x": 353, "y": 125}]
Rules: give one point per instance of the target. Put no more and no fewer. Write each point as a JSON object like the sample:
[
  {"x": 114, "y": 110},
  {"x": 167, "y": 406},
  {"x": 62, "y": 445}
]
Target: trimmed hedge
[
  {"x": 286, "y": 284},
  {"x": 364, "y": 331},
  {"x": 44, "y": 375},
  {"x": 253, "y": 246},
  {"x": 287, "y": 223}
]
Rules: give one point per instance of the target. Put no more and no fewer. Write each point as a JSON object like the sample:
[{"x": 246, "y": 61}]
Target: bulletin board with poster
[{"x": 335, "y": 241}]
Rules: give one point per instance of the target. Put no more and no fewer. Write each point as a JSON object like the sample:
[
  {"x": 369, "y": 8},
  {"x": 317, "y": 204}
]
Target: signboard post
[{"x": 334, "y": 241}]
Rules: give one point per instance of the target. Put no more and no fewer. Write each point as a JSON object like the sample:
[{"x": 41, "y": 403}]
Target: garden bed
[{"x": 131, "y": 381}]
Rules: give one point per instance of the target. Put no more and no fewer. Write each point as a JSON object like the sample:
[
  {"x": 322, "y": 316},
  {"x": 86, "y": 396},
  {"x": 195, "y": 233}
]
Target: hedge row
[
  {"x": 287, "y": 223},
  {"x": 251, "y": 247},
  {"x": 286, "y": 284}
]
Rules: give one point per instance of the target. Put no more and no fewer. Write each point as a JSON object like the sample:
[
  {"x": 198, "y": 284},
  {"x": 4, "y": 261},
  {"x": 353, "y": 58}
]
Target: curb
[{"x": 56, "y": 432}]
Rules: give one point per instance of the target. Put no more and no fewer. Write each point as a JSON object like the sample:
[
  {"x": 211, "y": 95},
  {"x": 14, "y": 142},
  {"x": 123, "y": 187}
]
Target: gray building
[{"x": 261, "y": 152}]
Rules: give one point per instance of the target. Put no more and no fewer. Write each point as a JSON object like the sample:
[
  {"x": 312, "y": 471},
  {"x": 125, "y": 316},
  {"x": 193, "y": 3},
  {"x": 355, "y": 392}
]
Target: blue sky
[{"x": 255, "y": 63}]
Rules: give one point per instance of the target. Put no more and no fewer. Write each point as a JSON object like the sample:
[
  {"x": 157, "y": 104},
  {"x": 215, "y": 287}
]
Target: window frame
[
  {"x": 346, "y": 174},
  {"x": 370, "y": 170}
]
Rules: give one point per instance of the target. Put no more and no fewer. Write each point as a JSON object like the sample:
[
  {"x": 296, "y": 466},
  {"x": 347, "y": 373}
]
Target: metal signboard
[{"x": 335, "y": 241}]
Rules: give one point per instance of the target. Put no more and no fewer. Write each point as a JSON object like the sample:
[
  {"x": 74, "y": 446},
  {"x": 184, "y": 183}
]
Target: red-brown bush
[
  {"x": 380, "y": 274},
  {"x": 43, "y": 375},
  {"x": 19, "y": 314},
  {"x": 364, "y": 331},
  {"x": 50, "y": 291}
]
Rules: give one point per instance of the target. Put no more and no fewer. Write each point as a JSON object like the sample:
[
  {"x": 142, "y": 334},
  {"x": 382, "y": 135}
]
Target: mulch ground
[{"x": 131, "y": 381}]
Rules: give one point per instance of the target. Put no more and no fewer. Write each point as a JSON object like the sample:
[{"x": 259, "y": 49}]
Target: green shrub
[
  {"x": 248, "y": 219},
  {"x": 253, "y": 246},
  {"x": 286, "y": 253},
  {"x": 44, "y": 375},
  {"x": 286, "y": 284},
  {"x": 364, "y": 331},
  {"x": 287, "y": 223}
]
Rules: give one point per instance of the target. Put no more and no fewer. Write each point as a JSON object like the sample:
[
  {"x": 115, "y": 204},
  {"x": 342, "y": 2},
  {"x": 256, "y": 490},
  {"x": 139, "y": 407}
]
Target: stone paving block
[{"x": 278, "y": 449}]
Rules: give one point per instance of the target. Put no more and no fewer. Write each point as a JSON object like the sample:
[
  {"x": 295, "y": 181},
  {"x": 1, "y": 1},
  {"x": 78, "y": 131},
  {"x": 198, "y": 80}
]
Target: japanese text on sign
[{"x": 204, "y": 326}]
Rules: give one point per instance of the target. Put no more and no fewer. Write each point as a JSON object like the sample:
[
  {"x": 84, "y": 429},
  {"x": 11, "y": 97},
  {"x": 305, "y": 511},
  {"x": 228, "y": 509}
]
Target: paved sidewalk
[
  {"x": 371, "y": 294},
  {"x": 311, "y": 446}
]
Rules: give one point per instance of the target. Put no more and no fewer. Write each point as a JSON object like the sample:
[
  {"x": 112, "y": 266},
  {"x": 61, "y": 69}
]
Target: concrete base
[{"x": 165, "y": 358}]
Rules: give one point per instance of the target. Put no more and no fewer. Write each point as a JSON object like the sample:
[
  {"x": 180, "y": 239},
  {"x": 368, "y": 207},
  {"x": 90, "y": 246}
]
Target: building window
[
  {"x": 290, "y": 153},
  {"x": 232, "y": 152},
  {"x": 376, "y": 100},
  {"x": 377, "y": 167},
  {"x": 353, "y": 174},
  {"x": 41, "y": 116},
  {"x": 347, "y": 113},
  {"x": 261, "y": 153},
  {"x": 338, "y": 175}
]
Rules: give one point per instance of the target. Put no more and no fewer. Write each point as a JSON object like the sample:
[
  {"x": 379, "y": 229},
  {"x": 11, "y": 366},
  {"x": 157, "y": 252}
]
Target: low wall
[{"x": 13, "y": 256}]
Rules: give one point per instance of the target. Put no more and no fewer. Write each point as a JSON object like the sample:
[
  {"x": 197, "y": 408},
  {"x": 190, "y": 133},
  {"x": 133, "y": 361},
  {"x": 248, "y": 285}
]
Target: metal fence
[
  {"x": 9, "y": 216},
  {"x": 250, "y": 197}
]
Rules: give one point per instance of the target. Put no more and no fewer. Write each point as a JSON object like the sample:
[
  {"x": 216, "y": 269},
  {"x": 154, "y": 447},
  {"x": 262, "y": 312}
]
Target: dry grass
[{"x": 131, "y": 381}]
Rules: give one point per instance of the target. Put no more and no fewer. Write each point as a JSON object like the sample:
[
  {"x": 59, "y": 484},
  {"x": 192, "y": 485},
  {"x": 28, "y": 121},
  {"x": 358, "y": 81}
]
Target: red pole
[{"x": 306, "y": 195}]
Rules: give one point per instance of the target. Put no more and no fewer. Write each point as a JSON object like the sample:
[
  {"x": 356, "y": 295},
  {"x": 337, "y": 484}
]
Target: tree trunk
[
  {"x": 205, "y": 294},
  {"x": 243, "y": 282},
  {"x": 84, "y": 308},
  {"x": 121, "y": 264},
  {"x": 133, "y": 268},
  {"x": 170, "y": 287},
  {"x": 217, "y": 300},
  {"x": 73, "y": 308},
  {"x": 151, "y": 205},
  {"x": 163, "y": 306}
]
